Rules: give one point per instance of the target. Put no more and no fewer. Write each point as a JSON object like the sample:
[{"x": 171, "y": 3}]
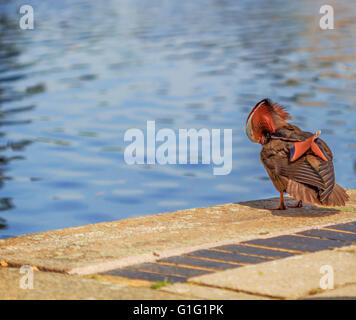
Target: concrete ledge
[
  {"x": 90, "y": 249},
  {"x": 104, "y": 246}
]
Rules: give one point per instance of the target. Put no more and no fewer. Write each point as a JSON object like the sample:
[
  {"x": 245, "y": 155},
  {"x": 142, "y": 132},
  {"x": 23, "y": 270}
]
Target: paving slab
[
  {"x": 203, "y": 292},
  {"x": 169, "y": 269},
  {"x": 211, "y": 265},
  {"x": 51, "y": 285},
  {"x": 350, "y": 227},
  {"x": 328, "y": 234},
  {"x": 288, "y": 278},
  {"x": 347, "y": 292},
  {"x": 262, "y": 252},
  {"x": 297, "y": 243},
  {"x": 227, "y": 256},
  {"x": 144, "y": 275}
]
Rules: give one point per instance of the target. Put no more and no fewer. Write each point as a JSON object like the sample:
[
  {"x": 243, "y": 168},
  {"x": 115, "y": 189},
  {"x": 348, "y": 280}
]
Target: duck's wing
[
  {"x": 312, "y": 172},
  {"x": 310, "y": 178}
]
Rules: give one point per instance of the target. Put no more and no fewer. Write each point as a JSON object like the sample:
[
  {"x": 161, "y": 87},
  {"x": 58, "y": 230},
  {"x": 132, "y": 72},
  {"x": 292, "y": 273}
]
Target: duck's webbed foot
[
  {"x": 281, "y": 206},
  {"x": 299, "y": 204}
]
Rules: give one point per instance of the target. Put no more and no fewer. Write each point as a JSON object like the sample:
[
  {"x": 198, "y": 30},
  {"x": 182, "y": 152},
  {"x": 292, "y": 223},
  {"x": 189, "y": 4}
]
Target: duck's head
[{"x": 264, "y": 119}]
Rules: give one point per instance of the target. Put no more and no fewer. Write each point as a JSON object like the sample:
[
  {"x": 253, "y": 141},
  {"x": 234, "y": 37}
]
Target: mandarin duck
[{"x": 298, "y": 163}]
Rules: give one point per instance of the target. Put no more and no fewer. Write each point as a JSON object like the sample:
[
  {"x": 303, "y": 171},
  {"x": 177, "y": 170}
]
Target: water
[{"x": 91, "y": 70}]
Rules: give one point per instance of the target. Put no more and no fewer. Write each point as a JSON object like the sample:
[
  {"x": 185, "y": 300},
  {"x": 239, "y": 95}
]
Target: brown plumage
[{"x": 298, "y": 162}]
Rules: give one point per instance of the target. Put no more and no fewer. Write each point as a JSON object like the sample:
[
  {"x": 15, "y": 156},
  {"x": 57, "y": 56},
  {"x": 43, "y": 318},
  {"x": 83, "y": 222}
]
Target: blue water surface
[{"x": 90, "y": 70}]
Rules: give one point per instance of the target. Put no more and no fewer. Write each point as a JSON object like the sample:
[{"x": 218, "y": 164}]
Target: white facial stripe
[
  {"x": 249, "y": 131},
  {"x": 251, "y": 115}
]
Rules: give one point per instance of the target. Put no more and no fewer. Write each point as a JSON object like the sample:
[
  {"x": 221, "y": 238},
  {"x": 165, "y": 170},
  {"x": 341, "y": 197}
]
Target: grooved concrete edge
[{"x": 121, "y": 263}]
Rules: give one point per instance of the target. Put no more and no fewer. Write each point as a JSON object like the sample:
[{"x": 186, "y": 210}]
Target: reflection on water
[{"x": 70, "y": 88}]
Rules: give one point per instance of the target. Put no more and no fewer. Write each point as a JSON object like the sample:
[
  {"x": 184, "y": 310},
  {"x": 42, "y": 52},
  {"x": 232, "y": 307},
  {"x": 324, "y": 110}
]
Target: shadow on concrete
[{"x": 308, "y": 210}]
